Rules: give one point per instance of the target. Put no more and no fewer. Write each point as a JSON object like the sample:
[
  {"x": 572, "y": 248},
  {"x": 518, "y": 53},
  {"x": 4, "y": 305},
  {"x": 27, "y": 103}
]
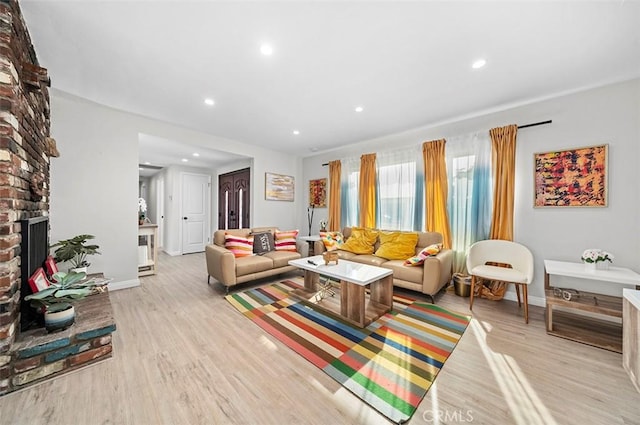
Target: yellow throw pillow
[
  {"x": 429, "y": 251},
  {"x": 361, "y": 241},
  {"x": 397, "y": 245}
]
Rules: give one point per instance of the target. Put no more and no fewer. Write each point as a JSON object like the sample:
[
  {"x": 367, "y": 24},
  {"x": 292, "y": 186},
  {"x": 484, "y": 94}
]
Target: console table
[
  {"x": 147, "y": 249},
  {"x": 581, "y": 328}
]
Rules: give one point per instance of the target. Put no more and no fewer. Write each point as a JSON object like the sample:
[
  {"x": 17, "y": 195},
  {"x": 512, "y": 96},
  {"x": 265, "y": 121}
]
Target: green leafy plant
[
  {"x": 75, "y": 250},
  {"x": 59, "y": 295}
]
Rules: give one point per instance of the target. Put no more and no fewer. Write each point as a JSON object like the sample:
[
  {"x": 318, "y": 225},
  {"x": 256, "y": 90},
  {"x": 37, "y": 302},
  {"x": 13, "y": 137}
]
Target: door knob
[{"x": 184, "y": 218}]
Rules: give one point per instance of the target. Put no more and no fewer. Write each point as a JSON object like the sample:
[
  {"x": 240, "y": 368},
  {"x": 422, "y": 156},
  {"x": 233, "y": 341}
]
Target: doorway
[
  {"x": 233, "y": 199},
  {"x": 196, "y": 202}
]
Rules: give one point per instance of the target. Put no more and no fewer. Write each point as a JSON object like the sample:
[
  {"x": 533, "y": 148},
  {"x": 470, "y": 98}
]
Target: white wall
[
  {"x": 94, "y": 184},
  {"x": 609, "y": 114}
]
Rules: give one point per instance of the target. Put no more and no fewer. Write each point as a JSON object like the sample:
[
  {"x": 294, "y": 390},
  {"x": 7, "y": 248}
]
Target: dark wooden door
[{"x": 233, "y": 199}]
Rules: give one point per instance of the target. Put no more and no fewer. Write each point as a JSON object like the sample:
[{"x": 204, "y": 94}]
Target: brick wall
[{"x": 24, "y": 161}]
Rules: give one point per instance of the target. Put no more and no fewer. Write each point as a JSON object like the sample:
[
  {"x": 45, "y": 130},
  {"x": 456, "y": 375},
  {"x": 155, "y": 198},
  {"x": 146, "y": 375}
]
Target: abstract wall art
[{"x": 571, "y": 178}]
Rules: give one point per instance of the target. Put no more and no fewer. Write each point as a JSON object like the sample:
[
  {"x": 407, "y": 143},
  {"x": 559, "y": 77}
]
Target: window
[{"x": 349, "y": 192}]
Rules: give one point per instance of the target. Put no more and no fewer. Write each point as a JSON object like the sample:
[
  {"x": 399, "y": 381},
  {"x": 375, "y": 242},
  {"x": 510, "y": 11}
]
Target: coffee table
[{"x": 354, "y": 305}]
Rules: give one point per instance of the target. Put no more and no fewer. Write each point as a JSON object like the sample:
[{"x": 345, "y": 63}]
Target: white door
[
  {"x": 160, "y": 214},
  {"x": 196, "y": 201}
]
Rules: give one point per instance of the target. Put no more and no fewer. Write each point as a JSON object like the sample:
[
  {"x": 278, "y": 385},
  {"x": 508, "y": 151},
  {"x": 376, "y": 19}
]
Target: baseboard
[
  {"x": 540, "y": 302},
  {"x": 124, "y": 284},
  {"x": 173, "y": 253}
]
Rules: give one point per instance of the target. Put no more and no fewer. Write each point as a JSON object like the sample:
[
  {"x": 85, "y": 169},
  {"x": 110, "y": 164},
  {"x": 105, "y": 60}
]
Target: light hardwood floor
[{"x": 183, "y": 355}]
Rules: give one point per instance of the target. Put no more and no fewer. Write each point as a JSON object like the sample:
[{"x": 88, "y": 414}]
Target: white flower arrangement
[
  {"x": 596, "y": 255},
  {"x": 323, "y": 224},
  {"x": 142, "y": 208}
]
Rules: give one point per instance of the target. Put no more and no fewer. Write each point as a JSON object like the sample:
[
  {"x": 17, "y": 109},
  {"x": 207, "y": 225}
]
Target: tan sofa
[
  {"x": 223, "y": 266},
  {"x": 429, "y": 278}
]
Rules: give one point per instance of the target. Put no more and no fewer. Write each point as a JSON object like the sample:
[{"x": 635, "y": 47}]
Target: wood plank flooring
[{"x": 183, "y": 355}]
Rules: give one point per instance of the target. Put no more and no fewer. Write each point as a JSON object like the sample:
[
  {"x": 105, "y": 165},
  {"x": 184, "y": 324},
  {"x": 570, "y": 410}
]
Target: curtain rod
[{"x": 519, "y": 127}]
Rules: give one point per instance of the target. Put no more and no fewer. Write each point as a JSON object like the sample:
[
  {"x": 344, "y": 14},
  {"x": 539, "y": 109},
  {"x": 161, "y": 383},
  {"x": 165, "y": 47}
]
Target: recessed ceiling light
[
  {"x": 209, "y": 101},
  {"x": 359, "y": 109},
  {"x": 296, "y": 132},
  {"x": 147, "y": 163},
  {"x": 195, "y": 154},
  {"x": 266, "y": 50},
  {"x": 185, "y": 160},
  {"x": 479, "y": 64}
]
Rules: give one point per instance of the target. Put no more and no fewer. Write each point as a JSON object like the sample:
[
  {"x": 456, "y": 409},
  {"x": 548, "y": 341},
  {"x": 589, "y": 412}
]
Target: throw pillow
[
  {"x": 361, "y": 241},
  {"x": 429, "y": 251},
  {"x": 397, "y": 245},
  {"x": 240, "y": 246},
  {"x": 332, "y": 240},
  {"x": 286, "y": 241},
  {"x": 263, "y": 242}
]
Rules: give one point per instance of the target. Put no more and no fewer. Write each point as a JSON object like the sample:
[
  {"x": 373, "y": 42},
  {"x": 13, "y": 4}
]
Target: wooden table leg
[
  {"x": 549, "y": 317},
  {"x": 352, "y": 301},
  {"x": 311, "y": 280},
  {"x": 382, "y": 292}
]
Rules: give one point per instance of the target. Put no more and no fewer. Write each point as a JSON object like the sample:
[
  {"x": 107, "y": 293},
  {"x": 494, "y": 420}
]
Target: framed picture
[
  {"x": 278, "y": 187},
  {"x": 318, "y": 193},
  {"x": 50, "y": 266},
  {"x": 38, "y": 280},
  {"x": 571, "y": 178}
]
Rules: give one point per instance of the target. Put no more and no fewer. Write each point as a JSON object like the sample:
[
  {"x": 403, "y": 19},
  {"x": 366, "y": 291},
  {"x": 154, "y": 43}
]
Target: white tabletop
[
  {"x": 632, "y": 296},
  {"x": 312, "y": 238},
  {"x": 618, "y": 275},
  {"x": 361, "y": 274}
]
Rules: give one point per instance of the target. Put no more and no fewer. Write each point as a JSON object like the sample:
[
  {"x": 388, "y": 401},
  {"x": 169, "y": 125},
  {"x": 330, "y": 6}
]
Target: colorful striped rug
[{"x": 390, "y": 364}]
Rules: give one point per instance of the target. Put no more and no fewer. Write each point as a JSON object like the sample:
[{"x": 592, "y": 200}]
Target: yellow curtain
[
  {"x": 435, "y": 183},
  {"x": 335, "y": 171},
  {"x": 503, "y": 156},
  {"x": 367, "y": 190},
  {"x": 503, "y": 159}
]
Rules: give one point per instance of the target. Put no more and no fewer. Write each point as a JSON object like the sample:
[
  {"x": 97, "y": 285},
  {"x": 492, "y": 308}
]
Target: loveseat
[
  {"x": 429, "y": 277},
  {"x": 230, "y": 269}
]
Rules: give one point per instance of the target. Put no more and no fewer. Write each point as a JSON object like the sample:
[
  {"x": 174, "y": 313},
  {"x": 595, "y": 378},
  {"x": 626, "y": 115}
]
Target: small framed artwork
[
  {"x": 278, "y": 187},
  {"x": 318, "y": 193},
  {"x": 50, "y": 266},
  {"x": 571, "y": 178},
  {"x": 38, "y": 280}
]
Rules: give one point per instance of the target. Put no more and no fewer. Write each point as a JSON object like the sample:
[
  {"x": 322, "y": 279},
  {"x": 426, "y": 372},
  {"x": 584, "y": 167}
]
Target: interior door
[
  {"x": 196, "y": 195},
  {"x": 233, "y": 199}
]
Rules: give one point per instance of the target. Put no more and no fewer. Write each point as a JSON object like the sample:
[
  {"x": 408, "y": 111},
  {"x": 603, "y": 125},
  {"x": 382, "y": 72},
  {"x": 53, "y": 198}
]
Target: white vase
[
  {"x": 590, "y": 267},
  {"x": 603, "y": 265}
]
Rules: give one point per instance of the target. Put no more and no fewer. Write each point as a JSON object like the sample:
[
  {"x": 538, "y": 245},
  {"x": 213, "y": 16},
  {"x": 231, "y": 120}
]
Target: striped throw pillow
[
  {"x": 240, "y": 246},
  {"x": 286, "y": 241}
]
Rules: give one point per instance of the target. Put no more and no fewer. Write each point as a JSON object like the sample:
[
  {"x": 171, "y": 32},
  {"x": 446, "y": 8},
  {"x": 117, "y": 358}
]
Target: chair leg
[
  {"x": 517, "y": 285},
  {"x": 473, "y": 289},
  {"x": 526, "y": 303}
]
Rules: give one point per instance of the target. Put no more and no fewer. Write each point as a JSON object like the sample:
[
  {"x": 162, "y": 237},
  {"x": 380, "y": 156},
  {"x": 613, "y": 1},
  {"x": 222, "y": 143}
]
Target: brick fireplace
[{"x": 25, "y": 149}]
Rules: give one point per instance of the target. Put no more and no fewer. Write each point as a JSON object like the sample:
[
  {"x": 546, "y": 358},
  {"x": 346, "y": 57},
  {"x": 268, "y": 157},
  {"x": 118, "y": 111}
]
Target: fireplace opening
[{"x": 34, "y": 252}]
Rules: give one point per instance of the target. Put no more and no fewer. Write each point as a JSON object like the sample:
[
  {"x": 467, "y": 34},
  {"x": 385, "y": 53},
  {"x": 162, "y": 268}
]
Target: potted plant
[
  {"x": 75, "y": 250},
  {"x": 56, "y": 300}
]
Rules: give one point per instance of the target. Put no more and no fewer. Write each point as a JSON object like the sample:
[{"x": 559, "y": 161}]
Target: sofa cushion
[
  {"x": 409, "y": 274},
  {"x": 423, "y": 255},
  {"x": 286, "y": 241},
  {"x": 345, "y": 255},
  {"x": 238, "y": 245},
  {"x": 397, "y": 245},
  {"x": 361, "y": 241},
  {"x": 263, "y": 242},
  {"x": 253, "y": 264},
  {"x": 332, "y": 240},
  {"x": 282, "y": 258},
  {"x": 371, "y": 260}
]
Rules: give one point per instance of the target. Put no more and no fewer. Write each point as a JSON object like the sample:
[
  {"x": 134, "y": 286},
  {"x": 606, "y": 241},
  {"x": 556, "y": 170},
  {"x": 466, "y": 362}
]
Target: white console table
[
  {"x": 581, "y": 328},
  {"x": 147, "y": 249}
]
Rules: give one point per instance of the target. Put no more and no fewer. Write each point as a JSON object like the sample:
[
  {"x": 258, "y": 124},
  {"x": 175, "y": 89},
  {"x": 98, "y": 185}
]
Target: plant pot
[
  {"x": 79, "y": 270},
  {"x": 462, "y": 285},
  {"x": 59, "y": 320},
  {"x": 590, "y": 267}
]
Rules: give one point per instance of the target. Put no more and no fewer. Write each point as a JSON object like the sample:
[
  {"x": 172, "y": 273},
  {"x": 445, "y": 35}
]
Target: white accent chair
[{"x": 501, "y": 252}]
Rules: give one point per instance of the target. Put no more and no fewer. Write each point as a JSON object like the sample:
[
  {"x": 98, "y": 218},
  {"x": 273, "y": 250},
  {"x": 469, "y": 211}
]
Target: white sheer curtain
[
  {"x": 399, "y": 196},
  {"x": 349, "y": 192},
  {"x": 470, "y": 192}
]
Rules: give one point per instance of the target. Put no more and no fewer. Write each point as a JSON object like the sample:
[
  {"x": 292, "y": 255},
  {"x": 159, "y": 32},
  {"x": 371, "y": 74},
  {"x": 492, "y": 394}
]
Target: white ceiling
[{"x": 407, "y": 63}]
